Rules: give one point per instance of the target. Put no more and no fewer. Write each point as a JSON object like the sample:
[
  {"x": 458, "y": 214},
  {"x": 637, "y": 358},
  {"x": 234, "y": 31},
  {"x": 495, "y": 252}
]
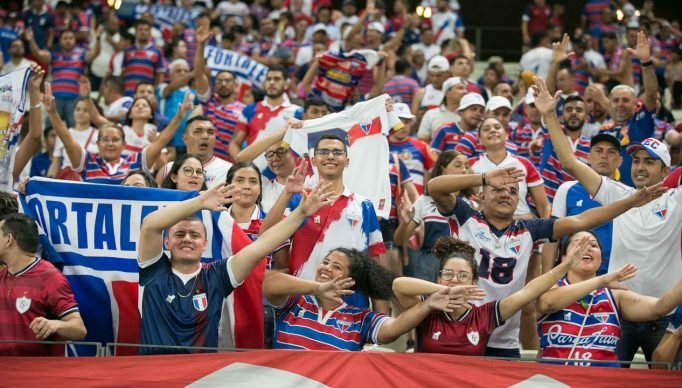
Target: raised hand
[
  {"x": 47, "y": 98},
  {"x": 36, "y": 78},
  {"x": 317, "y": 198},
  {"x": 560, "y": 51},
  {"x": 28, "y": 34},
  {"x": 467, "y": 292},
  {"x": 614, "y": 278},
  {"x": 84, "y": 87},
  {"x": 443, "y": 301},
  {"x": 215, "y": 198},
  {"x": 501, "y": 177},
  {"x": 335, "y": 289},
  {"x": 544, "y": 101},
  {"x": 647, "y": 194},
  {"x": 202, "y": 31},
  {"x": 578, "y": 250},
  {"x": 295, "y": 181},
  {"x": 405, "y": 210},
  {"x": 186, "y": 105},
  {"x": 21, "y": 186},
  {"x": 643, "y": 49}
]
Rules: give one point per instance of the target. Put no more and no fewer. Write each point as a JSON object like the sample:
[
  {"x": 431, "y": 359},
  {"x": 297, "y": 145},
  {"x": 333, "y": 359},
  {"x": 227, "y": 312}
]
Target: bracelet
[
  {"x": 483, "y": 179},
  {"x": 647, "y": 63},
  {"x": 37, "y": 106}
]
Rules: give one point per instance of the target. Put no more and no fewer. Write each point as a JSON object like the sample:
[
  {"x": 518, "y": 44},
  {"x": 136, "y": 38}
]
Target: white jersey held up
[{"x": 13, "y": 104}]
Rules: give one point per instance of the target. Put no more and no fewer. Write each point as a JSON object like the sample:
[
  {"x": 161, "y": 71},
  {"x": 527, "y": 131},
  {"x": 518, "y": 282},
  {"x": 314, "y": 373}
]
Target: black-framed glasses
[
  {"x": 324, "y": 152},
  {"x": 280, "y": 152},
  {"x": 189, "y": 171},
  {"x": 462, "y": 276}
]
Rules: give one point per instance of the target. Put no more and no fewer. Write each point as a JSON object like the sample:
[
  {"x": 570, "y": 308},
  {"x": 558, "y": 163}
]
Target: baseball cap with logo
[
  {"x": 439, "y": 63},
  {"x": 653, "y": 147},
  {"x": 403, "y": 111},
  {"x": 471, "y": 99},
  {"x": 497, "y": 102}
]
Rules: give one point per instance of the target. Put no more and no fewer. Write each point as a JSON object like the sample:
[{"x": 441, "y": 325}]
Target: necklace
[{"x": 191, "y": 290}]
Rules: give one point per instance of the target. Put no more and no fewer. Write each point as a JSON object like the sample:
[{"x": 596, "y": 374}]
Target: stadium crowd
[{"x": 537, "y": 210}]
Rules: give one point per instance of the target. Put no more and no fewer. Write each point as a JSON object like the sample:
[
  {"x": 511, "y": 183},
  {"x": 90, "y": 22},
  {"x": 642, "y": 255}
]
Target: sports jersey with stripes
[
  {"x": 470, "y": 145},
  {"x": 530, "y": 175},
  {"x": 302, "y": 324},
  {"x": 349, "y": 222},
  {"x": 252, "y": 230},
  {"x": 397, "y": 172},
  {"x": 401, "y": 89},
  {"x": 587, "y": 329},
  {"x": 182, "y": 313},
  {"x": 225, "y": 117},
  {"x": 338, "y": 75},
  {"x": 522, "y": 136},
  {"x": 467, "y": 335},
  {"x": 551, "y": 169},
  {"x": 67, "y": 69},
  {"x": 136, "y": 142},
  {"x": 435, "y": 224},
  {"x": 37, "y": 290},
  {"x": 502, "y": 257},
  {"x": 446, "y": 137},
  {"x": 94, "y": 169},
  {"x": 140, "y": 64},
  {"x": 415, "y": 154},
  {"x": 262, "y": 119}
]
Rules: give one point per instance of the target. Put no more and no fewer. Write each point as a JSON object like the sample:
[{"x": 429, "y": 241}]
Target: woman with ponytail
[
  {"x": 465, "y": 328},
  {"x": 312, "y": 315}
]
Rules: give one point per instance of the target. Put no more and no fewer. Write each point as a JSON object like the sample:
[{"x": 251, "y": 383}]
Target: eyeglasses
[
  {"x": 323, "y": 152},
  {"x": 189, "y": 171},
  {"x": 280, "y": 152},
  {"x": 462, "y": 276}
]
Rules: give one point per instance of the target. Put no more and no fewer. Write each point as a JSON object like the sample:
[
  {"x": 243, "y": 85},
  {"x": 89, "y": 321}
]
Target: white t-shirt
[
  {"x": 648, "y": 237},
  {"x": 87, "y": 139},
  {"x": 432, "y": 97},
  {"x": 531, "y": 176},
  {"x": 271, "y": 190},
  {"x": 228, "y": 8},
  {"x": 215, "y": 170},
  {"x": 122, "y": 105},
  {"x": 134, "y": 142},
  {"x": 14, "y": 102},
  {"x": 429, "y": 51},
  {"x": 433, "y": 119},
  {"x": 537, "y": 60},
  {"x": 446, "y": 24},
  {"x": 100, "y": 64},
  {"x": 10, "y": 67}
]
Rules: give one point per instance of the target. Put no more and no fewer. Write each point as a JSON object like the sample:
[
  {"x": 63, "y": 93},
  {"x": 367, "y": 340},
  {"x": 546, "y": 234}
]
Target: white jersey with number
[{"x": 646, "y": 236}]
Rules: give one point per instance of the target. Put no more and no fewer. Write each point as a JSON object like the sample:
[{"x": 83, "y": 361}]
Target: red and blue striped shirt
[
  {"x": 446, "y": 137},
  {"x": 552, "y": 171},
  {"x": 140, "y": 64},
  {"x": 67, "y": 69},
  {"x": 225, "y": 117},
  {"x": 401, "y": 89},
  {"x": 94, "y": 169},
  {"x": 415, "y": 154}
]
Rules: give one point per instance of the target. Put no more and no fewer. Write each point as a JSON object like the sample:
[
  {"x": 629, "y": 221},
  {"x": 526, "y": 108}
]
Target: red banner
[{"x": 315, "y": 369}]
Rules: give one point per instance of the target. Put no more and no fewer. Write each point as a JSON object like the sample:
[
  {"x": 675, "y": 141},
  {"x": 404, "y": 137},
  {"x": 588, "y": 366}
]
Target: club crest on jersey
[
  {"x": 514, "y": 246},
  {"x": 23, "y": 304},
  {"x": 435, "y": 336},
  {"x": 366, "y": 127},
  {"x": 343, "y": 325},
  {"x": 473, "y": 337},
  {"x": 200, "y": 301},
  {"x": 353, "y": 218},
  {"x": 660, "y": 211},
  {"x": 602, "y": 317}
]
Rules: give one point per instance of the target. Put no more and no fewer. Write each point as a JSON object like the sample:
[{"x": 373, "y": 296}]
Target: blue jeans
[
  {"x": 422, "y": 265},
  {"x": 499, "y": 352},
  {"x": 644, "y": 334},
  {"x": 65, "y": 108}
]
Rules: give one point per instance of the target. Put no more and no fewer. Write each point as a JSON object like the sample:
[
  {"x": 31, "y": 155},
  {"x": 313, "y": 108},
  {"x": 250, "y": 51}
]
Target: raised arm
[
  {"x": 42, "y": 56},
  {"x": 294, "y": 185},
  {"x": 640, "y": 308},
  {"x": 309, "y": 77},
  {"x": 409, "y": 290},
  {"x": 599, "y": 215},
  {"x": 154, "y": 149},
  {"x": 406, "y": 226},
  {"x": 560, "y": 53},
  {"x": 94, "y": 52},
  {"x": 643, "y": 52},
  {"x": 31, "y": 143},
  {"x": 72, "y": 148},
  {"x": 514, "y": 302},
  {"x": 559, "y": 298},
  {"x": 260, "y": 146},
  {"x": 278, "y": 286},
  {"x": 84, "y": 90},
  {"x": 546, "y": 104}
]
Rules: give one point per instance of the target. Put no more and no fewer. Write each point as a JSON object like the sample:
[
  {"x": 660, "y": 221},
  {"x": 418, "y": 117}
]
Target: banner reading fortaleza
[
  {"x": 93, "y": 230},
  {"x": 247, "y": 70}
]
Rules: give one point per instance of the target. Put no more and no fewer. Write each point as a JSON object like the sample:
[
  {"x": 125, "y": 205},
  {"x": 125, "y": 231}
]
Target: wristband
[
  {"x": 647, "y": 63},
  {"x": 37, "y": 106},
  {"x": 483, "y": 179}
]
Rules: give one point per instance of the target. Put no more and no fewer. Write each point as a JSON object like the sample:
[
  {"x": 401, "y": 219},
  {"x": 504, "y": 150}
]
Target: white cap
[
  {"x": 450, "y": 82},
  {"x": 438, "y": 64},
  {"x": 530, "y": 97},
  {"x": 497, "y": 102},
  {"x": 655, "y": 148},
  {"x": 471, "y": 99},
  {"x": 403, "y": 111},
  {"x": 376, "y": 26},
  {"x": 319, "y": 27}
]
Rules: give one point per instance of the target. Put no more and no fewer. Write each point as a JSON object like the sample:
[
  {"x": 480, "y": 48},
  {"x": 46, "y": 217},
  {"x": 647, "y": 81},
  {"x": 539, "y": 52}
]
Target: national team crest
[
  {"x": 200, "y": 301},
  {"x": 473, "y": 337},
  {"x": 514, "y": 246},
  {"x": 23, "y": 304},
  {"x": 660, "y": 211},
  {"x": 342, "y": 325}
]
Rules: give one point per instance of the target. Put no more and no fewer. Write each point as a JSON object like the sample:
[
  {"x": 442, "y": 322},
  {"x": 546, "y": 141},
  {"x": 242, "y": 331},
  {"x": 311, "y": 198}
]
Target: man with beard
[
  {"x": 17, "y": 57},
  {"x": 597, "y": 105},
  {"x": 265, "y": 117},
  {"x": 448, "y": 135},
  {"x": 220, "y": 104},
  {"x": 552, "y": 172}
]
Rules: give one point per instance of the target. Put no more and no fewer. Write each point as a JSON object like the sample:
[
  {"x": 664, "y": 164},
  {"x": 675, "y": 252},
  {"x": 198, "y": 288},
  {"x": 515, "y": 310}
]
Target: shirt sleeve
[
  {"x": 532, "y": 175},
  {"x": 419, "y": 209},
  {"x": 60, "y": 296},
  {"x": 540, "y": 228},
  {"x": 467, "y": 144},
  {"x": 611, "y": 191},
  {"x": 559, "y": 204},
  {"x": 371, "y": 325},
  {"x": 223, "y": 269},
  {"x": 461, "y": 212},
  {"x": 149, "y": 269},
  {"x": 375, "y": 242}
]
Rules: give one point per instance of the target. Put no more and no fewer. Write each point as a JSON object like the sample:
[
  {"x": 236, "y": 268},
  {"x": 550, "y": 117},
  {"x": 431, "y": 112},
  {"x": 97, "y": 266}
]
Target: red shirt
[
  {"x": 467, "y": 336},
  {"x": 39, "y": 290}
]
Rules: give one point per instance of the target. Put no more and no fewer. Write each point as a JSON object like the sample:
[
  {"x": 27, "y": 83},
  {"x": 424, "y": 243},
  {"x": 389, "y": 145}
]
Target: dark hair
[
  {"x": 148, "y": 178},
  {"x": 537, "y": 37},
  {"x": 609, "y": 35},
  {"x": 566, "y": 241},
  {"x": 190, "y": 218},
  {"x": 225, "y": 71},
  {"x": 240, "y": 165},
  {"x": 125, "y": 35},
  {"x": 47, "y": 130},
  {"x": 129, "y": 120},
  {"x": 177, "y": 165},
  {"x": 460, "y": 56},
  {"x": 142, "y": 83},
  {"x": 115, "y": 83},
  {"x": 196, "y": 118},
  {"x": 401, "y": 65},
  {"x": 169, "y": 48},
  {"x": 257, "y": 94},
  {"x": 67, "y": 30},
  {"x": 573, "y": 98},
  {"x": 24, "y": 230},
  {"x": 280, "y": 69},
  {"x": 140, "y": 22},
  {"x": 8, "y": 204},
  {"x": 330, "y": 136},
  {"x": 370, "y": 278},
  {"x": 447, "y": 248},
  {"x": 112, "y": 125},
  {"x": 445, "y": 158},
  {"x": 314, "y": 101}
]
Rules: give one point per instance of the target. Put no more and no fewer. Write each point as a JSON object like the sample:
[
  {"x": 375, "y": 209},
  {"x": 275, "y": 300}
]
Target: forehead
[
  {"x": 135, "y": 179},
  {"x": 201, "y": 125},
  {"x": 457, "y": 264},
  {"x": 276, "y": 74},
  {"x": 642, "y": 154},
  {"x": 621, "y": 93},
  {"x": 110, "y": 131},
  {"x": 510, "y": 186},
  {"x": 330, "y": 143},
  {"x": 246, "y": 172},
  {"x": 580, "y": 235},
  {"x": 575, "y": 104},
  {"x": 337, "y": 257},
  {"x": 225, "y": 75},
  {"x": 604, "y": 144},
  {"x": 186, "y": 226},
  {"x": 490, "y": 123},
  {"x": 192, "y": 162},
  {"x": 142, "y": 101}
]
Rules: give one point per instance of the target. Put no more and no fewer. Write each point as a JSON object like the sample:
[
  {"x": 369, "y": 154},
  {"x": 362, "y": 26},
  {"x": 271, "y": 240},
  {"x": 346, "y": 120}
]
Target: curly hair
[
  {"x": 8, "y": 204},
  {"x": 371, "y": 278},
  {"x": 447, "y": 248}
]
